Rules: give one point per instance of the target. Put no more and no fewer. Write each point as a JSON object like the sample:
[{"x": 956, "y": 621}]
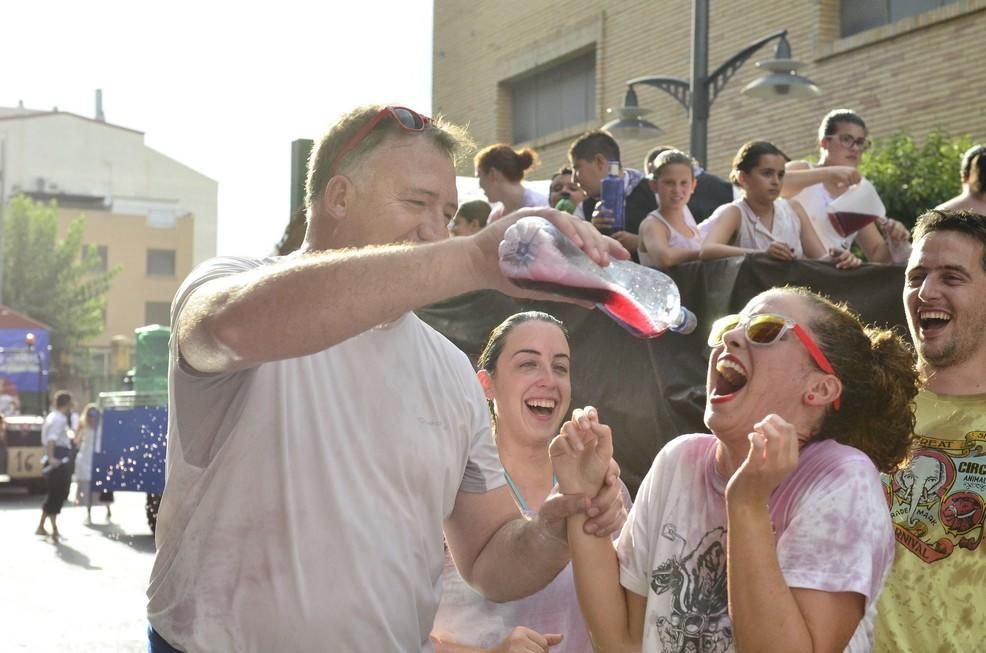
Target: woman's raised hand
[
  {"x": 843, "y": 176},
  {"x": 581, "y": 453},
  {"x": 772, "y": 457}
]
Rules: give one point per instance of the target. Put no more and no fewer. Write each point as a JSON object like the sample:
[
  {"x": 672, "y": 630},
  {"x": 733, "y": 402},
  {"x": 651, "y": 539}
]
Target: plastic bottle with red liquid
[{"x": 535, "y": 254}]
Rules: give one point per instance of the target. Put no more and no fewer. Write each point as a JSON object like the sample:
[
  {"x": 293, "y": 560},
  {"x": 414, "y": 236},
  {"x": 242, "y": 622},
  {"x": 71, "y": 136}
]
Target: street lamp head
[
  {"x": 782, "y": 80},
  {"x": 781, "y": 85},
  {"x": 628, "y": 124}
]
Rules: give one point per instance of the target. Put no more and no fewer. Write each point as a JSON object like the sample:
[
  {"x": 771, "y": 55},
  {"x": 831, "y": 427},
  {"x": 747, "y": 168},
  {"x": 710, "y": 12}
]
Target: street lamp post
[
  {"x": 31, "y": 343},
  {"x": 697, "y": 95}
]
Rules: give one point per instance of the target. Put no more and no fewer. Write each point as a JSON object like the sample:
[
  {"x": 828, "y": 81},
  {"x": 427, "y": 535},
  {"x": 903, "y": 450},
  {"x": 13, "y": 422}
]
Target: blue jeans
[{"x": 156, "y": 643}]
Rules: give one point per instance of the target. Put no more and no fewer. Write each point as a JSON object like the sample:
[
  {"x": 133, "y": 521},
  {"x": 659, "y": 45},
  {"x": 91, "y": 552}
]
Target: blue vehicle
[
  {"x": 24, "y": 357},
  {"x": 131, "y": 442},
  {"x": 132, "y": 436}
]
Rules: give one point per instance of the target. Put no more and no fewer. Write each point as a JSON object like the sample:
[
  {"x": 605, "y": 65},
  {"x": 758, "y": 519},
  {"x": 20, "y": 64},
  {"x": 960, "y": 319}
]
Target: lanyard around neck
[{"x": 517, "y": 495}]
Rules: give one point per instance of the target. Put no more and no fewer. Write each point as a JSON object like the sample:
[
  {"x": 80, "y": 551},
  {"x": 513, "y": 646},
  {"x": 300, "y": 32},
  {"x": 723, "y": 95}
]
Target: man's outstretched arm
[{"x": 310, "y": 302}]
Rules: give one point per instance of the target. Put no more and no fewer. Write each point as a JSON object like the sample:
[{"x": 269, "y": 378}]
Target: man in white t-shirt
[
  {"x": 57, "y": 436},
  {"x": 321, "y": 437}
]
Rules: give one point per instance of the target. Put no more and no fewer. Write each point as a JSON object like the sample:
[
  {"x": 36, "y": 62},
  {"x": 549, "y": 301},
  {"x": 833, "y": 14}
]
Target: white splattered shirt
[{"x": 830, "y": 520}]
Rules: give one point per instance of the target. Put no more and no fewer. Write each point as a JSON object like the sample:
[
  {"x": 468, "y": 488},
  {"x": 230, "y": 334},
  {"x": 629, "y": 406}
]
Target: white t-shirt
[
  {"x": 305, "y": 498},
  {"x": 55, "y": 429},
  {"x": 534, "y": 198},
  {"x": 831, "y": 523}
]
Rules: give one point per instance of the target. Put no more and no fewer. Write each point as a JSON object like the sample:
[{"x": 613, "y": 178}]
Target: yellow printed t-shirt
[{"x": 933, "y": 600}]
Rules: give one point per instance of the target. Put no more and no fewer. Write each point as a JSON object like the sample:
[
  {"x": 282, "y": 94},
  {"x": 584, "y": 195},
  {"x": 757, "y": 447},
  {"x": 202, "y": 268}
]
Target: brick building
[{"x": 540, "y": 73}]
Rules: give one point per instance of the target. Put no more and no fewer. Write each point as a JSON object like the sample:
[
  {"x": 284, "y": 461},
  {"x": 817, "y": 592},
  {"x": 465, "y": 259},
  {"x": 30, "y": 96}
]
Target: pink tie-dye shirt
[{"x": 830, "y": 519}]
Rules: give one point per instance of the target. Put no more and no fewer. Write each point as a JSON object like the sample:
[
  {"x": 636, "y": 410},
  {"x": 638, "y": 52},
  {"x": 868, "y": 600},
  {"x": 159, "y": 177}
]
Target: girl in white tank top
[
  {"x": 762, "y": 222},
  {"x": 669, "y": 235}
]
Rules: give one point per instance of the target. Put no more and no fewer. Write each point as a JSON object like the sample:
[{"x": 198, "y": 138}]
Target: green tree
[
  {"x": 912, "y": 178},
  {"x": 56, "y": 282}
]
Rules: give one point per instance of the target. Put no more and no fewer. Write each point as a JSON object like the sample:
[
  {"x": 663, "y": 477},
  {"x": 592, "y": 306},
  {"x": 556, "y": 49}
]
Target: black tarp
[{"x": 650, "y": 391}]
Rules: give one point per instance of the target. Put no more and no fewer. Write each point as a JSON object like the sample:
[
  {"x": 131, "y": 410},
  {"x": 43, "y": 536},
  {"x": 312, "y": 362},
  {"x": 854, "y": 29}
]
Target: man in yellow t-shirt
[{"x": 933, "y": 598}]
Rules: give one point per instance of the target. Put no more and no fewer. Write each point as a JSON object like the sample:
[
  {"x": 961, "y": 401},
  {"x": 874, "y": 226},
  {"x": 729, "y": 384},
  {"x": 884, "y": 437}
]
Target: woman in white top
[
  {"x": 669, "y": 235},
  {"x": 525, "y": 373},
  {"x": 500, "y": 169},
  {"x": 88, "y": 444},
  {"x": 762, "y": 222},
  {"x": 841, "y": 142}
]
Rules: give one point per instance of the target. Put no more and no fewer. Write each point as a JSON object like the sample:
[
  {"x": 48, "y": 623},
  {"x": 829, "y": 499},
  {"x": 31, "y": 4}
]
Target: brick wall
[{"x": 911, "y": 75}]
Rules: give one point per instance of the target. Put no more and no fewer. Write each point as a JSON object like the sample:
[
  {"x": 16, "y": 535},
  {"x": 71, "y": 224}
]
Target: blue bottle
[{"x": 612, "y": 195}]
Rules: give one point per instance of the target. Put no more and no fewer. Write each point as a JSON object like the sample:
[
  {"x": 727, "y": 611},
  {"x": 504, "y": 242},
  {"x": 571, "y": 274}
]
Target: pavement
[{"x": 82, "y": 594}]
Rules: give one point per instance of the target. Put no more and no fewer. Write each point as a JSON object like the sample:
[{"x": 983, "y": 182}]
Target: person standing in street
[
  {"x": 57, "y": 436},
  {"x": 87, "y": 440}
]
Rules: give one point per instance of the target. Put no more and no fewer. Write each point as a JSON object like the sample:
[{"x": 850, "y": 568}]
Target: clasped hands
[
  {"x": 588, "y": 477},
  {"x": 582, "y": 453}
]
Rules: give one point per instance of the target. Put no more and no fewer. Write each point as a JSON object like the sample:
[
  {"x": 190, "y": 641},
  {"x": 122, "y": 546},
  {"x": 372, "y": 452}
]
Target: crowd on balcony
[{"x": 675, "y": 211}]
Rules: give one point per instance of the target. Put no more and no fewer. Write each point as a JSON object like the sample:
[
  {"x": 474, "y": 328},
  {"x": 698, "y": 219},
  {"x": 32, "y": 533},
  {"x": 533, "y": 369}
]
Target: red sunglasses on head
[
  {"x": 408, "y": 119},
  {"x": 766, "y": 329}
]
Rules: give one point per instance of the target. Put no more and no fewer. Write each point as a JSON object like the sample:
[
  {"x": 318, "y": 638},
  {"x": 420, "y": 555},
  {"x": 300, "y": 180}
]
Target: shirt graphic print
[{"x": 696, "y": 581}]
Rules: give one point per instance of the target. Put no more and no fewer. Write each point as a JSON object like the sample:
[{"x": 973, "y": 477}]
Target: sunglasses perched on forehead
[
  {"x": 408, "y": 119},
  {"x": 861, "y": 144},
  {"x": 766, "y": 329}
]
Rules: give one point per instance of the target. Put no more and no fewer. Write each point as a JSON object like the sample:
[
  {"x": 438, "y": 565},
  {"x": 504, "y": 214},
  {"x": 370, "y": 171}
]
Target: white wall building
[{"x": 58, "y": 153}]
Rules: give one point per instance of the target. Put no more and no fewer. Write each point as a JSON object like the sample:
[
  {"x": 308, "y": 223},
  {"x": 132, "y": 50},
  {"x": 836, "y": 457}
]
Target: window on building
[
  {"x": 157, "y": 313},
  {"x": 101, "y": 251},
  {"x": 859, "y": 16},
  {"x": 160, "y": 262},
  {"x": 554, "y": 98}
]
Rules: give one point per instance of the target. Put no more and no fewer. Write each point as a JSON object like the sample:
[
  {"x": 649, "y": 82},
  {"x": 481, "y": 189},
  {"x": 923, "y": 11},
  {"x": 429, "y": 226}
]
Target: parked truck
[
  {"x": 133, "y": 430},
  {"x": 24, "y": 359}
]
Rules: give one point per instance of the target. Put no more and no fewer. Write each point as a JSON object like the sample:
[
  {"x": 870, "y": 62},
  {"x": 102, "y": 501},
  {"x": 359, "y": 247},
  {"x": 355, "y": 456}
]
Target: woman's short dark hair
[
  {"x": 511, "y": 163},
  {"x": 498, "y": 337},
  {"x": 835, "y": 117},
  {"x": 748, "y": 157}
]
